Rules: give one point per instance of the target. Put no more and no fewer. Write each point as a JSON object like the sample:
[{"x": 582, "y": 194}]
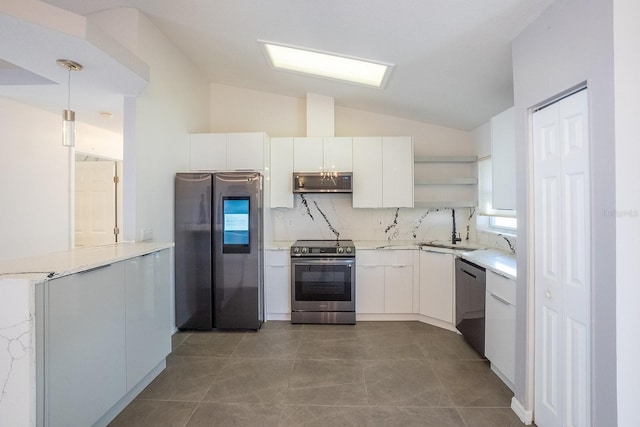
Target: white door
[
  {"x": 562, "y": 261},
  {"x": 95, "y": 212}
]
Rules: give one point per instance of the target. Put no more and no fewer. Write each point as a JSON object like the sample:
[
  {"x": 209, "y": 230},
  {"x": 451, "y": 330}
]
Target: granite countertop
[
  {"x": 493, "y": 259},
  {"x": 63, "y": 263}
]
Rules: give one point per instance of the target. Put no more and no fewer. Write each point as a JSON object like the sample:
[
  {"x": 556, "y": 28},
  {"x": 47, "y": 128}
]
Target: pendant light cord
[{"x": 69, "y": 87}]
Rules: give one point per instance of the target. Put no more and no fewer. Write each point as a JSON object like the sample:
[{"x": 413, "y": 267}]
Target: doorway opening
[{"x": 98, "y": 200}]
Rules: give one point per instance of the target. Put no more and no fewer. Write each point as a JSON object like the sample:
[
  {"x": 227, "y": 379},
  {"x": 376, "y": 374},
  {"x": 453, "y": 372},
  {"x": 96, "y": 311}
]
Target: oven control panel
[{"x": 323, "y": 248}]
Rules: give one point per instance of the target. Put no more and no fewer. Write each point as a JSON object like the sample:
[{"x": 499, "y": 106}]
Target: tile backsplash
[{"x": 327, "y": 216}]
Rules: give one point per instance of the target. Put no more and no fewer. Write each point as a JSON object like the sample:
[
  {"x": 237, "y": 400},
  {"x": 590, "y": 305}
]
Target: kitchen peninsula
[{"x": 82, "y": 332}]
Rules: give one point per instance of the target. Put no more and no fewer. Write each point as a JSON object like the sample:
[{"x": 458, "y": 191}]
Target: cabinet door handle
[
  {"x": 368, "y": 266},
  {"x": 277, "y": 266},
  {"x": 501, "y": 274},
  {"x": 504, "y": 301},
  {"x": 100, "y": 267}
]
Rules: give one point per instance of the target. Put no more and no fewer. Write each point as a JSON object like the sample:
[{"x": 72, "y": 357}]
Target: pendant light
[{"x": 68, "y": 115}]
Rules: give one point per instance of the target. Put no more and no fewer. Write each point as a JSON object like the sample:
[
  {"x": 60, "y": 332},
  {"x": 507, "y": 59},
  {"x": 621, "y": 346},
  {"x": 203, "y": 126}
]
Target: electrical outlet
[{"x": 146, "y": 234}]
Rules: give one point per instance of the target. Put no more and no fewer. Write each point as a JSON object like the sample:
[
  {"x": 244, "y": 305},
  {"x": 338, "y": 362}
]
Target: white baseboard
[
  {"x": 526, "y": 416},
  {"x": 278, "y": 316},
  {"x": 112, "y": 413}
]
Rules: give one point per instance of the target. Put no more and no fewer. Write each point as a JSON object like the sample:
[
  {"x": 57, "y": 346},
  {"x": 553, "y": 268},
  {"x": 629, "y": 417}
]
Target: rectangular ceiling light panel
[{"x": 328, "y": 65}]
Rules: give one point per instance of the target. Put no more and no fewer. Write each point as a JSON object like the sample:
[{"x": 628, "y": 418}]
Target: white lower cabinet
[
  {"x": 369, "y": 287},
  {"x": 384, "y": 281},
  {"x": 105, "y": 329},
  {"x": 500, "y": 325},
  {"x": 277, "y": 284},
  {"x": 85, "y": 349},
  {"x": 437, "y": 285},
  {"x": 398, "y": 288}
]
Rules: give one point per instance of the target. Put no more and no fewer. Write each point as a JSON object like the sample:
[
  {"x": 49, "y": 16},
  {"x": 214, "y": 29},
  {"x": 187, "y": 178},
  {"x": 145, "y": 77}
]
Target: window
[
  {"x": 503, "y": 222},
  {"x": 490, "y": 219}
]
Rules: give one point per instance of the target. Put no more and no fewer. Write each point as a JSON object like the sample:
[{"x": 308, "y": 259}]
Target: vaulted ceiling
[{"x": 452, "y": 57}]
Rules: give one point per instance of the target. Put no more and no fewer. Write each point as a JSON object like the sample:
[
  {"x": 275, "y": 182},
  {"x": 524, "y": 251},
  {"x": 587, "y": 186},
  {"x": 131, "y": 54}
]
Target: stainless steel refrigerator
[{"x": 219, "y": 250}]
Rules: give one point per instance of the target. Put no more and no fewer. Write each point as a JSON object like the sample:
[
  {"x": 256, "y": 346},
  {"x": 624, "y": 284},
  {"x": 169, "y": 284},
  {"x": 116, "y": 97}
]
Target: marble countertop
[
  {"x": 280, "y": 245},
  {"x": 493, "y": 259},
  {"x": 412, "y": 244},
  {"x": 63, "y": 263}
]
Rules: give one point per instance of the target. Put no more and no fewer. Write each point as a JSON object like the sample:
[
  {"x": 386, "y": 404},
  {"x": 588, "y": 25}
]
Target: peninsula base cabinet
[
  {"x": 85, "y": 346},
  {"x": 384, "y": 282},
  {"x": 437, "y": 286},
  {"x": 105, "y": 329},
  {"x": 147, "y": 287},
  {"x": 500, "y": 326}
]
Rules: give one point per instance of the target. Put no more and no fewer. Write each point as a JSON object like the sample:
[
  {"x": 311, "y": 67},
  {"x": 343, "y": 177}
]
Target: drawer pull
[{"x": 504, "y": 301}]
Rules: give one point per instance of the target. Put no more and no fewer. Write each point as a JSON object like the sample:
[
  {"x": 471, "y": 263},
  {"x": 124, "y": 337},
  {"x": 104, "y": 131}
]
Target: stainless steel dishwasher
[{"x": 470, "y": 302}]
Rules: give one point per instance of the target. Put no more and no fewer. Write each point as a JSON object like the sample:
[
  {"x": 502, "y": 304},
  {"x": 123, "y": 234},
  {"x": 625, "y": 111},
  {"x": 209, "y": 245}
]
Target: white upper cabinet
[
  {"x": 367, "y": 172},
  {"x": 503, "y": 159},
  {"x": 383, "y": 172},
  {"x": 282, "y": 172},
  {"x": 307, "y": 154},
  {"x": 397, "y": 172},
  {"x": 229, "y": 151},
  {"x": 318, "y": 154},
  {"x": 337, "y": 154},
  {"x": 246, "y": 151}
]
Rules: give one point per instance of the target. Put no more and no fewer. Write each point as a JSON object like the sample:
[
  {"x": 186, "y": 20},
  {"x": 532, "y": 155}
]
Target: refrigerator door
[
  {"x": 193, "y": 261},
  {"x": 238, "y": 251}
]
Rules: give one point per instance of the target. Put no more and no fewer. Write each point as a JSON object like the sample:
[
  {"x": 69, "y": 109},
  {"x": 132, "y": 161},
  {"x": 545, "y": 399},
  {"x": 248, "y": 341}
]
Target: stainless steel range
[{"x": 323, "y": 282}]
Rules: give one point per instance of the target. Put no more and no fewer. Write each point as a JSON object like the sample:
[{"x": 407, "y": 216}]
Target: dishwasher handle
[{"x": 470, "y": 274}]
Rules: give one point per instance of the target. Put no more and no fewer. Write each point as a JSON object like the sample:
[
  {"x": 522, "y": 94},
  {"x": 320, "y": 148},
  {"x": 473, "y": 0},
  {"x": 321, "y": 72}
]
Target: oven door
[{"x": 323, "y": 284}]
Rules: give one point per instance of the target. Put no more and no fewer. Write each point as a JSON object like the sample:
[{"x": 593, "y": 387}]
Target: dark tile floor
[{"x": 370, "y": 374}]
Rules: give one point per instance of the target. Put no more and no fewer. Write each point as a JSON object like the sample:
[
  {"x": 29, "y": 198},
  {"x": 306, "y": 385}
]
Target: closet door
[{"x": 562, "y": 261}]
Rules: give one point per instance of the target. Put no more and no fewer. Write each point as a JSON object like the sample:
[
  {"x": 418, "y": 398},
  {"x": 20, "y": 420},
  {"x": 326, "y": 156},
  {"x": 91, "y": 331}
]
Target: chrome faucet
[{"x": 455, "y": 237}]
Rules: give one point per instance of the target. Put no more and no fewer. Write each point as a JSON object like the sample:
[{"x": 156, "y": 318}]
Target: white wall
[
  {"x": 234, "y": 109},
  {"x": 98, "y": 142},
  {"x": 34, "y": 182},
  {"x": 627, "y": 126},
  {"x": 571, "y": 42},
  {"x": 157, "y": 123}
]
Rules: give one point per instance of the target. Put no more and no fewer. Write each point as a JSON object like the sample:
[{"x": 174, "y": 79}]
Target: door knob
[{"x": 548, "y": 294}]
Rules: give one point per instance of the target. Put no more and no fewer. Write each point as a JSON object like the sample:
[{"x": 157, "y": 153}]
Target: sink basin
[{"x": 448, "y": 245}]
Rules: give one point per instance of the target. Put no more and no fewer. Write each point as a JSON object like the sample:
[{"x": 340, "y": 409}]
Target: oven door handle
[{"x": 323, "y": 261}]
